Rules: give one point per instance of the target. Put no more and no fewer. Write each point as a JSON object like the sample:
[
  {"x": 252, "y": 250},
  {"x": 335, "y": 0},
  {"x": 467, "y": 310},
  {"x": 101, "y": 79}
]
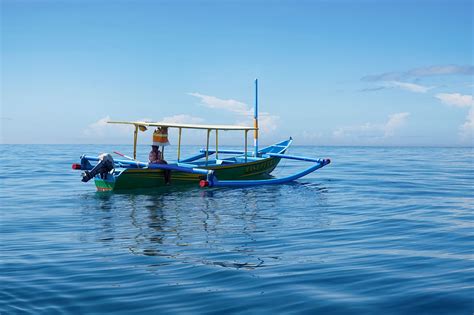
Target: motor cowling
[{"x": 103, "y": 167}]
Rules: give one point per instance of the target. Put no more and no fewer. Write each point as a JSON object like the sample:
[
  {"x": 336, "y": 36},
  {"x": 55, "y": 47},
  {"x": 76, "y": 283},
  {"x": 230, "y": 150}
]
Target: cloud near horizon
[
  {"x": 373, "y": 131},
  {"x": 101, "y": 129},
  {"x": 466, "y": 130}
]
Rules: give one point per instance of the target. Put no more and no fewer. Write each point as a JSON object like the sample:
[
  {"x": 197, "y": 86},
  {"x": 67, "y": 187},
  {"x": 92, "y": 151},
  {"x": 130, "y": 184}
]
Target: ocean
[{"x": 381, "y": 230}]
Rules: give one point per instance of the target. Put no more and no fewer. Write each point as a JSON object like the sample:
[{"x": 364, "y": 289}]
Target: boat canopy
[
  {"x": 184, "y": 126},
  {"x": 142, "y": 126}
]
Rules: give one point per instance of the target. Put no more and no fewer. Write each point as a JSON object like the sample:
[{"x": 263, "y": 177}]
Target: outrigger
[{"x": 242, "y": 168}]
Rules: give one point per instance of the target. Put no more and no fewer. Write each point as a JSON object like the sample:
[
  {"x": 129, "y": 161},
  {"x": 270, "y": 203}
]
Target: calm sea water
[{"x": 378, "y": 231}]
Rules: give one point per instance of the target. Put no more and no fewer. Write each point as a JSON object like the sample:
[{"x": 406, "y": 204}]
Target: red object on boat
[
  {"x": 76, "y": 166},
  {"x": 203, "y": 183}
]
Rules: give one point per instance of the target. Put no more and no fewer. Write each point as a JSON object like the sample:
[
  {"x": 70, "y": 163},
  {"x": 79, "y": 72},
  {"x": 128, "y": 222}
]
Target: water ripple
[{"x": 380, "y": 230}]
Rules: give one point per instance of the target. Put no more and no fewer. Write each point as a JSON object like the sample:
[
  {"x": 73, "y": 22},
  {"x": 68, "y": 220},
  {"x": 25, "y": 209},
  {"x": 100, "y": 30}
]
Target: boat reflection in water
[{"x": 231, "y": 228}]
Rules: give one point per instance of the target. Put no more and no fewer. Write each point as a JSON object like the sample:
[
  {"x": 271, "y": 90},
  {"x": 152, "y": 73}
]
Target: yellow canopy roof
[{"x": 188, "y": 126}]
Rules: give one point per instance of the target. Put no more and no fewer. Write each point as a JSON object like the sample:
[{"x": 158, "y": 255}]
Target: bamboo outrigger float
[{"x": 242, "y": 168}]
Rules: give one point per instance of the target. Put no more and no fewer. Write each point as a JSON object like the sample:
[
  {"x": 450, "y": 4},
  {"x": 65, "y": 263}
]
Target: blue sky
[{"x": 330, "y": 72}]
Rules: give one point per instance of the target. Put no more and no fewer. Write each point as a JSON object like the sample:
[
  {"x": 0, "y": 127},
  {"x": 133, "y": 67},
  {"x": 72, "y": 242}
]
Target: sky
[{"x": 361, "y": 72}]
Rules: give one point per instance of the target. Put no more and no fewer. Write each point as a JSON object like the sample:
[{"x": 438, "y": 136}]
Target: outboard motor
[{"x": 103, "y": 167}]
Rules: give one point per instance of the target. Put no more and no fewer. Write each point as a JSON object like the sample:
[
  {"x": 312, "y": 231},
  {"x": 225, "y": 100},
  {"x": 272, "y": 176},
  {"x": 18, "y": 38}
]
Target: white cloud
[
  {"x": 97, "y": 128},
  {"x": 438, "y": 70},
  {"x": 267, "y": 122},
  {"x": 101, "y": 129},
  {"x": 217, "y": 103},
  {"x": 461, "y": 101},
  {"x": 455, "y": 99},
  {"x": 412, "y": 87},
  {"x": 373, "y": 131},
  {"x": 467, "y": 129},
  {"x": 311, "y": 136},
  {"x": 182, "y": 119},
  {"x": 442, "y": 70},
  {"x": 364, "y": 130},
  {"x": 395, "y": 121}
]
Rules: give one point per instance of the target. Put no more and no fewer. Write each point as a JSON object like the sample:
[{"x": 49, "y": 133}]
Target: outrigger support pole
[
  {"x": 207, "y": 145},
  {"x": 212, "y": 181},
  {"x": 135, "y": 134},
  {"x": 217, "y": 144},
  {"x": 179, "y": 143},
  {"x": 245, "y": 152},
  {"x": 255, "y": 121}
]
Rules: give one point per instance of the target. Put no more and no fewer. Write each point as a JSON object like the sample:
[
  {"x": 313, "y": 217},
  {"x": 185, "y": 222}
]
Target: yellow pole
[
  {"x": 207, "y": 145},
  {"x": 217, "y": 144},
  {"x": 255, "y": 136},
  {"x": 255, "y": 121},
  {"x": 135, "y": 134},
  {"x": 179, "y": 143},
  {"x": 246, "y": 132}
]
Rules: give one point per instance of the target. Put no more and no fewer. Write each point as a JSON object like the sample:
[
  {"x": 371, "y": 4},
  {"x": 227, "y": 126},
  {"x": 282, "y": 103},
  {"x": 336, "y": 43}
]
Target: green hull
[{"x": 153, "y": 178}]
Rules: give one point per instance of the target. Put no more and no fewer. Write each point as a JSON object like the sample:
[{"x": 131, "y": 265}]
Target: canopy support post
[
  {"x": 217, "y": 144},
  {"x": 207, "y": 145},
  {"x": 245, "y": 151},
  {"x": 255, "y": 121},
  {"x": 135, "y": 135},
  {"x": 179, "y": 143}
]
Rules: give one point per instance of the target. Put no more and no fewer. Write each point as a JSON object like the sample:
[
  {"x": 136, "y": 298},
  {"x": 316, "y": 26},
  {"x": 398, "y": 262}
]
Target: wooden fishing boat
[{"x": 208, "y": 168}]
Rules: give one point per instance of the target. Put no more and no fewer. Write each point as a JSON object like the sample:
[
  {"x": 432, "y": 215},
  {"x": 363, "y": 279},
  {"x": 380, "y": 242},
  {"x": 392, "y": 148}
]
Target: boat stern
[{"x": 104, "y": 184}]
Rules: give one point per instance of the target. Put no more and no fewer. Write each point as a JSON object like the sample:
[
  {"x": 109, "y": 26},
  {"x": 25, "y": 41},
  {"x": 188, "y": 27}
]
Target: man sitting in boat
[
  {"x": 155, "y": 156},
  {"x": 160, "y": 138}
]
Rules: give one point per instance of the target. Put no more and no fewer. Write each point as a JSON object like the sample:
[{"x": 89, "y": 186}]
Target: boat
[{"x": 208, "y": 168}]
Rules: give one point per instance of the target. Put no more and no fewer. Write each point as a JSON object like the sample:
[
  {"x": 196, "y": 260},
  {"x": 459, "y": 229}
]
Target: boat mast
[{"x": 255, "y": 121}]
